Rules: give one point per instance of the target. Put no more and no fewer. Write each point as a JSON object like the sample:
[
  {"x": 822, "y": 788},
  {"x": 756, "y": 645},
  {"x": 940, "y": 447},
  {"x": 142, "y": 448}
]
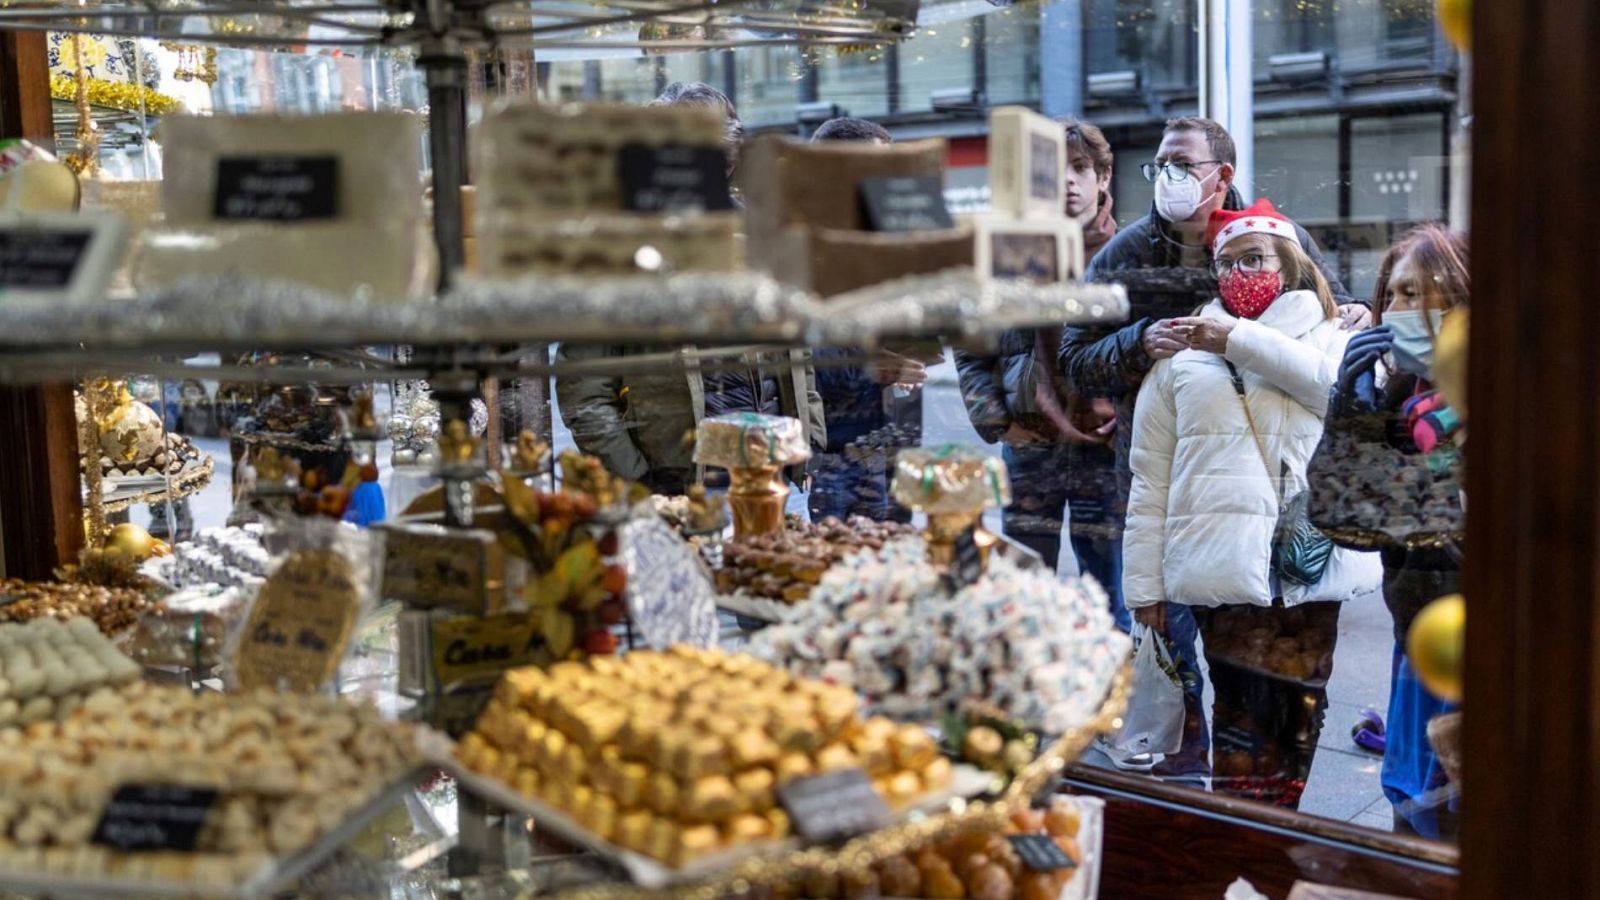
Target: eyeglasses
[
  {"x": 1249, "y": 264},
  {"x": 1176, "y": 172}
]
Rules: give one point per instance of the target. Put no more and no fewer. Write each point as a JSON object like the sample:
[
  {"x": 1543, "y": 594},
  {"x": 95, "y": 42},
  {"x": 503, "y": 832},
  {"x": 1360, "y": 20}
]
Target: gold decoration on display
[
  {"x": 1450, "y": 359},
  {"x": 194, "y": 63},
  {"x": 115, "y": 95},
  {"x": 86, "y": 159},
  {"x": 269, "y": 465},
  {"x": 1436, "y": 645},
  {"x": 860, "y": 854},
  {"x": 1455, "y": 18},
  {"x": 96, "y": 403},
  {"x": 757, "y": 496},
  {"x": 457, "y": 446},
  {"x": 362, "y": 414},
  {"x": 531, "y": 454}
]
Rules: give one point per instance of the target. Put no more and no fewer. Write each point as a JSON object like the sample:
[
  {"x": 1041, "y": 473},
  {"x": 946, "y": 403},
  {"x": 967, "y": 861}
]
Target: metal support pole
[
  {"x": 1227, "y": 82},
  {"x": 1061, "y": 52},
  {"x": 444, "y": 67}
]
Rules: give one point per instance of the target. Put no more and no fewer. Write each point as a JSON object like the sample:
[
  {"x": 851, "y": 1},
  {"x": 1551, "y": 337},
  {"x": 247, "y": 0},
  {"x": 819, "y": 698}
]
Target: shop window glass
[
  {"x": 1011, "y": 53},
  {"x": 1297, "y": 166},
  {"x": 937, "y": 58},
  {"x": 858, "y": 81},
  {"x": 1158, "y": 39}
]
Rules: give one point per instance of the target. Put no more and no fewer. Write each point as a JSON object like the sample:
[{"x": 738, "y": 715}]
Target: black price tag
[
  {"x": 833, "y": 806},
  {"x": 1040, "y": 853},
  {"x": 38, "y": 258},
  {"x": 277, "y": 188},
  {"x": 906, "y": 203},
  {"x": 154, "y": 817},
  {"x": 673, "y": 178}
]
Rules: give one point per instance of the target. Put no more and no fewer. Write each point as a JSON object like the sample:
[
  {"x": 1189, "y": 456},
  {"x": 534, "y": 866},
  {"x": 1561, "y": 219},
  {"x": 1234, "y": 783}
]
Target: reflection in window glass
[
  {"x": 1011, "y": 53},
  {"x": 1297, "y": 166},
  {"x": 1157, "y": 39},
  {"x": 769, "y": 85},
  {"x": 630, "y": 80},
  {"x": 857, "y": 81},
  {"x": 938, "y": 58}
]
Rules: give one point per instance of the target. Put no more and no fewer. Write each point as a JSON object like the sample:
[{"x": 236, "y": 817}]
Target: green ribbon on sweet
[
  {"x": 940, "y": 453},
  {"x": 994, "y": 481},
  {"x": 750, "y": 420}
]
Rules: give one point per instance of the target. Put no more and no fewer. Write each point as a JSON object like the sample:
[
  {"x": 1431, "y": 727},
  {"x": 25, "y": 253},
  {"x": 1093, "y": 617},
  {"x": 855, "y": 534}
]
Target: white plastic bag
[{"x": 1154, "y": 720}]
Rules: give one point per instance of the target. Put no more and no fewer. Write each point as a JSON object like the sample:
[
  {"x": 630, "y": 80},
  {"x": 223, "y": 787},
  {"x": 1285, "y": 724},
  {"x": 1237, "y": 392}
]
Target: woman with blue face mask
[{"x": 1387, "y": 430}]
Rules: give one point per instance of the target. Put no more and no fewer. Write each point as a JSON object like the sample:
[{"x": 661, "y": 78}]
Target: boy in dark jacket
[{"x": 1052, "y": 439}]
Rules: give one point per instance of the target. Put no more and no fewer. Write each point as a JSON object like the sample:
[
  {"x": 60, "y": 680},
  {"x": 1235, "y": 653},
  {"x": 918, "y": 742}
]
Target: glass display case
[{"x": 1070, "y": 436}]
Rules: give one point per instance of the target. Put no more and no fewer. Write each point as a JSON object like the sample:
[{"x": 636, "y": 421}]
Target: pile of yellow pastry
[{"x": 678, "y": 754}]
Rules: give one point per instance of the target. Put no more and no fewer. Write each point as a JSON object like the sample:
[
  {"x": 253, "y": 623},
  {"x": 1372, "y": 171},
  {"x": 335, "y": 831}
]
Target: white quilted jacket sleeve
[
  {"x": 1297, "y": 368},
  {"x": 1155, "y": 440}
]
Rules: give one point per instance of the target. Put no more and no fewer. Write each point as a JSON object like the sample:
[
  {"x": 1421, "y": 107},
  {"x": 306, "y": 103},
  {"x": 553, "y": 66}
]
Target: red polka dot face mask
[{"x": 1248, "y": 294}]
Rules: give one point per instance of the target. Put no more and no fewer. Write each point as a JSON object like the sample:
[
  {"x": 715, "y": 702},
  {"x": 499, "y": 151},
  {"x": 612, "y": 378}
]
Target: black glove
[{"x": 1357, "y": 385}]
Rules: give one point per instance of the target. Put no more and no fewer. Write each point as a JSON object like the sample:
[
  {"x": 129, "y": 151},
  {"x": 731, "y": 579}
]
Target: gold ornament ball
[
  {"x": 131, "y": 539},
  {"x": 1450, "y": 360},
  {"x": 1455, "y": 17},
  {"x": 1436, "y": 646}
]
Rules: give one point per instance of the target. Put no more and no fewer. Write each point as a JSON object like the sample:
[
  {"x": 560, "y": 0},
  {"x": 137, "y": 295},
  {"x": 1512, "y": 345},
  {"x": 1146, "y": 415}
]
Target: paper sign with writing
[
  {"x": 905, "y": 203},
  {"x": 834, "y": 806},
  {"x": 301, "y": 623},
  {"x": 1040, "y": 853},
  {"x": 673, "y": 178},
  {"x": 478, "y": 648},
  {"x": 278, "y": 188},
  {"x": 426, "y": 565},
  {"x": 154, "y": 817}
]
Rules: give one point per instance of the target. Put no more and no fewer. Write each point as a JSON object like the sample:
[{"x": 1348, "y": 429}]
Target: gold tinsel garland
[{"x": 116, "y": 95}]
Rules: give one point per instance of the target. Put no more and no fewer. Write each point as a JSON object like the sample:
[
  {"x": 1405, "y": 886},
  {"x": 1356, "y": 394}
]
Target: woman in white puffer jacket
[{"x": 1211, "y": 470}]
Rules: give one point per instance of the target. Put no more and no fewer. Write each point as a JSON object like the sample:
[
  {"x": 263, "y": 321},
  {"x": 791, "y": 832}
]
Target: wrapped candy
[
  {"x": 750, "y": 440},
  {"x": 754, "y": 449},
  {"x": 887, "y": 625},
  {"x": 951, "y": 478}
]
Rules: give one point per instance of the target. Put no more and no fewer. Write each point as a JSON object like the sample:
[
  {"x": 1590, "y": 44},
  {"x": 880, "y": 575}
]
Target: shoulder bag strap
[{"x": 1261, "y": 446}]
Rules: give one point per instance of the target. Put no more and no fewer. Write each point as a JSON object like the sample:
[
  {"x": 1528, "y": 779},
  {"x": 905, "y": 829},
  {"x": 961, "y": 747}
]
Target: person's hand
[
  {"x": 1153, "y": 617},
  {"x": 1161, "y": 341},
  {"x": 1094, "y": 419},
  {"x": 1357, "y": 380},
  {"x": 1017, "y": 434},
  {"x": 1204, "y": 333},
  {"x": 1354, "y": 317},
  {"x": 892, "y": 368}
]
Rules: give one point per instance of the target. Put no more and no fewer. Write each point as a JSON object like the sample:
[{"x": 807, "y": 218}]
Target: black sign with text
[
  {"x": 277, "y": 188},
  {"x": 1040, "y": 853},
  {"x": 673, "y": 178},
  {"x": 833, "y": 806},
  {"x": 40, "y": 258},
  {"x": 905, "y": 203},
  {"x": 154, "y": 817}
]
